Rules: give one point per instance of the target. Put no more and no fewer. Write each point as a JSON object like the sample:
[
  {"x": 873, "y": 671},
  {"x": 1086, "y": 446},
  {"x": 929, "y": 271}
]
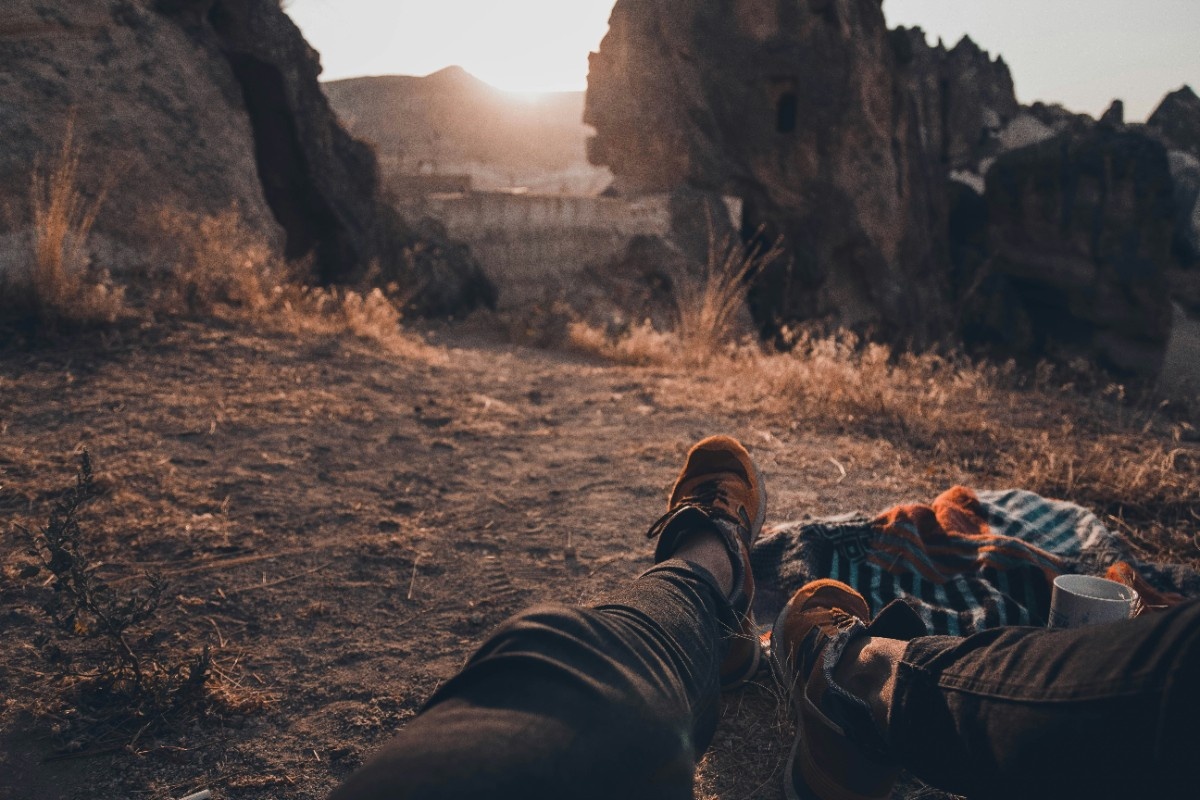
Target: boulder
[
  {"x": 203, "y": 105},
  {"x": 1079, "y": 245}
]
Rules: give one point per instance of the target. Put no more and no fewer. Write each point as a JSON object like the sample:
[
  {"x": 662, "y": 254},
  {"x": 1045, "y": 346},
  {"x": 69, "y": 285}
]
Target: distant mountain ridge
[{"x": 452, "y": 122}]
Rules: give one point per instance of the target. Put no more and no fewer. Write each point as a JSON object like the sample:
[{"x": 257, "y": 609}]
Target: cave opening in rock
[
  {"x": 309, "y": 224},
  {"x": 786, "y": 110}
]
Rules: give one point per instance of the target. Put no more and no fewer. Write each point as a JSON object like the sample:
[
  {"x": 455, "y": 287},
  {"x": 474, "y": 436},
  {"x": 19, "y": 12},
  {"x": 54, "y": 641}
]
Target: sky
[{"x": 1081, "y": 53}]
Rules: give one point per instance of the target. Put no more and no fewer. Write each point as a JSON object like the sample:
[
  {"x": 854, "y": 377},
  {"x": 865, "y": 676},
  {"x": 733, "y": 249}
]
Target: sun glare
[{"x": 528, "y": 47}]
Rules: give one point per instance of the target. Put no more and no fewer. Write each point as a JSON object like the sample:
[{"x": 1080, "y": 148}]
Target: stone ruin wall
[{"x": 528, "y": 243}]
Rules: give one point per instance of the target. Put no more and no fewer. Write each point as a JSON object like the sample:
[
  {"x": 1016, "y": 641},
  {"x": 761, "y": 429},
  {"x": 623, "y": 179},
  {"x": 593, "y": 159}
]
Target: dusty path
[{"x": 344, "y": 524}]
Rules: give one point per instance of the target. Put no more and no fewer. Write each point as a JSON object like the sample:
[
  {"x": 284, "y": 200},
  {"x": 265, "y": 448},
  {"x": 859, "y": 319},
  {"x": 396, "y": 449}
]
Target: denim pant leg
[
  {"x": 615, "y": 701},
  {"x": 1104, "y": 711}
]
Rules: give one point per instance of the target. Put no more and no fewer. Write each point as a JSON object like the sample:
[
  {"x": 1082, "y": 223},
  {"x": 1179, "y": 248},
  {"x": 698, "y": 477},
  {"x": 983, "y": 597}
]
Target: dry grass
[
  {"x": 206, "y": 265},
  {"x": 707, "y": 305},
  {"x": 217, "y": 266},
  {"x": 209, "y": 264},
  {"x": 709, "y": 309},
  {"x": 59, "y": 288},
  {"x": 1133, "y": 462}
]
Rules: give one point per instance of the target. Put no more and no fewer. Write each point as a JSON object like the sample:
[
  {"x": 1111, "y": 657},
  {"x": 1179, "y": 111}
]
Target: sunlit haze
[
  {"x": 518, "y": 45},
  {"x": 1081, "y": 53}
]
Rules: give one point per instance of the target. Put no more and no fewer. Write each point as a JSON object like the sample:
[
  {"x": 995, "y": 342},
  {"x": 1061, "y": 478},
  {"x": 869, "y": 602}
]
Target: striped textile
[{"x": 966, "y": 562}]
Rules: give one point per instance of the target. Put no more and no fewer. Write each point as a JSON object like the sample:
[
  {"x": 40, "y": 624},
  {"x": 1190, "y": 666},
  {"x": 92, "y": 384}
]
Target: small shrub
[
  {"x": 210, "y": 262},
  {"x": 640, "y": 345},
  {"x": 103, "y": 642}
]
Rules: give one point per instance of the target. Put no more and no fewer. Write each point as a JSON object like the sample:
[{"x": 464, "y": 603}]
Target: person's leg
[
  {"x": 618, "y": 700},
  {"x": 1103, "y": 711},
  {"x": 572, "y": 702}
]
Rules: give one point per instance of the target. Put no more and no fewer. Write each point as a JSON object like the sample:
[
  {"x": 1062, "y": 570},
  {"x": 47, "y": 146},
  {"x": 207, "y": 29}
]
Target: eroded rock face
[
  {"x": 154, "y": 112},
  {"x": 1079, "y": 237},
  {"x": 964, "y": 98},
  {"x": 807, "y": 112},
  {"x": 200, "y": 105}
]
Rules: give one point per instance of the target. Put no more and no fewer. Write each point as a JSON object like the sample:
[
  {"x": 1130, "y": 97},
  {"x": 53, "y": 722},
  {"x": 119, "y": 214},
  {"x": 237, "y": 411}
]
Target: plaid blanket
[{"x": 966, "y": 562}]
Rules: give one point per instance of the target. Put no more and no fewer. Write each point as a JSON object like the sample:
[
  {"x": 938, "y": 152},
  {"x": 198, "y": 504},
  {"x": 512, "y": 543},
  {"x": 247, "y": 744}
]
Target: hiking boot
[
  {"x": 719, "y": 488},
  {"x": 839, "y": 753}
]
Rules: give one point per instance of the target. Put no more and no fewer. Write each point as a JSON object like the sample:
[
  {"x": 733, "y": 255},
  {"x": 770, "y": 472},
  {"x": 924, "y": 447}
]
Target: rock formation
[
  {"x": 805, "y": 111},
  {"x": 963, "y": 97},
  {"x": 1079, "y": 250},
  {"x": 202, "y": 105},
  {"x": 1177, "y": 121},
  {"x": 1114, "y": 116},
  {"x": 1055, "y": 235}
]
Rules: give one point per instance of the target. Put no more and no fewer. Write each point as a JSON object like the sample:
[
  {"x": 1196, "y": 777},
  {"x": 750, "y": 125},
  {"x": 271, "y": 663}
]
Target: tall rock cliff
[
  {"x": 203, "y": 105},
  {"x": 808, "y": 112}
]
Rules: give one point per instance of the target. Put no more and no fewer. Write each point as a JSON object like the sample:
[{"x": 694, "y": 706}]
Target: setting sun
[{"x": 529, "y": 46}]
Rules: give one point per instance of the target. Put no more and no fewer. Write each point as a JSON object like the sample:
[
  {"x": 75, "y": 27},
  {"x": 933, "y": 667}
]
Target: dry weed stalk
[
  {"x": 57, "y": 288},
  {"x": 707, "y": 305},
  {"x": 705, "y": 311},
  {"x": 62, "y": 220},
  {"x": 105, "y": 655}
]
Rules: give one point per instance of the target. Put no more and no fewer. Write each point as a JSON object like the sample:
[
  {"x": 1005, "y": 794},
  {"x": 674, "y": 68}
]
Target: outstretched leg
[
  {"x": 614, "y": 701},
  {"x": 1101, "y": 711}
]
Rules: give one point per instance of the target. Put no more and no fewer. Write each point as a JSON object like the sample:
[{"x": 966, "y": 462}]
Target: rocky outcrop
[
  {"x": 1055, "y": 235},
  {"x": 964, "y": 98},
  {"x": 1114, "y": 115},
  {"x": 202, "y": 105},
  {"x": 817, "y": 117},
  {"x": 1079, "y": 250},
  {"x": 1177, "y": 121}
]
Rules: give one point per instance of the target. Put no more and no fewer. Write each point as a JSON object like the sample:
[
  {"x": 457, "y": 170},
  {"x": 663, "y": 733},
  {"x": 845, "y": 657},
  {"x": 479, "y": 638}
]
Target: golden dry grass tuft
[
  {"x": 707, "y": 305},
  {"x": 211, "y": 263},
  {"x": 708, "y": 311},
  {"x": 59, "y": 288},
  {"x": 971, "y": 422}
]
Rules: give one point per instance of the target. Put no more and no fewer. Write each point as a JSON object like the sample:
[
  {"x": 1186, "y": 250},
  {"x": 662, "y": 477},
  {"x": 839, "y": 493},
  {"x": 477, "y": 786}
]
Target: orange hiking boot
[
  {"x": 720, "y": 488},
  {"x": 838, "y": 753}
]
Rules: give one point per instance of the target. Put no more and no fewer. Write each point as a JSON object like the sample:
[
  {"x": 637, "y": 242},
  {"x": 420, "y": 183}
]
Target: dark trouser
[
  {"x": 1104, "y": 711},
  {"x": 620, "y": 700},
  {"x": 617, "y": 701}
]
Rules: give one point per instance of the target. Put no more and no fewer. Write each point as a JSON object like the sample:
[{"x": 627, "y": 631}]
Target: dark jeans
[
  {"x": 617, "y": 701},
  {"x": 620, "y": 701},
  {"x": 1104, "y": 711}
]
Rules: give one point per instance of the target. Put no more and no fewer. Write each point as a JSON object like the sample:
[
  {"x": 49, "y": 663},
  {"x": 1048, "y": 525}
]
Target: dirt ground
[{"x": 343, "y": 524}]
